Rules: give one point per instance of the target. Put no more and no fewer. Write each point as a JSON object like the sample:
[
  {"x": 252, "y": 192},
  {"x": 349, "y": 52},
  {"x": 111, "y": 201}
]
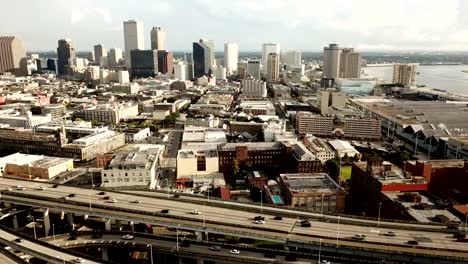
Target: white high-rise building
[
  {"x": 331, "y": 61},
  {"x": 272, "y": 73},
  {"x": 253, "y": 69},
  {"x": 219, "y": 72},
  {"x": 180, "y": 71},
  {"x": 114, "y": 56},
  {"x": 268, "y": 48},
  {"x": 231, "y": 56},
  {"x": 133, "y": 38},
  {"x": 405, "y": 74},
  {"x": 292, "y": 57},
  {"x": 158, "y": 38},
  {"x": 350, "y": 63},
  {"x": 254, "y": 88},
  {"x": 124, "y": 77}
]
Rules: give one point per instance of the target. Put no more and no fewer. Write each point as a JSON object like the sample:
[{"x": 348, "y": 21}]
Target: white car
[
  {"x": 260, "y": 222},
  {"x": 19, "y": 187},
  {"x": 195, "y": 212},
  {"x": 112, "y": 201},
  {"x": 78, "y": 260},
  {"x": 234, "y": 252},
  {"x": 359, "y": 237},
  {"x": 128, "y": 237},
  {"x": 42, "y": 188}
]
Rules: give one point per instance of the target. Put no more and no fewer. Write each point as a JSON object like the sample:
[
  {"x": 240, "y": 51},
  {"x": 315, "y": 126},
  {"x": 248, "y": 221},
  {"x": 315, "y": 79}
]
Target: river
[{"x": 446, "y": 77}]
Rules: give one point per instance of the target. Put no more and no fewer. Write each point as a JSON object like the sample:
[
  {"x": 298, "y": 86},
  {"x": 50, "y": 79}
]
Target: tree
[
  {"x": 94, "y": 122},
  {"x": 235, "y": 168},
  {"x": 333, "y": 169}
]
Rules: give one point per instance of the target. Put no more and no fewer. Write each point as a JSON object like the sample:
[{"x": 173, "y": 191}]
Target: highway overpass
[{"x": 434, "y": 242}]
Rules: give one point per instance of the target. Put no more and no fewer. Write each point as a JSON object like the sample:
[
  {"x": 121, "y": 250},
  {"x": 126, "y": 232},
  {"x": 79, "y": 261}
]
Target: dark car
[
  {"x": 165, "y": 211},
  {"x": 71, "y": 195},
  {"x": 55, "y": 186},
  {"x": 72, "y": 238},
  {"x": 259, "y": 218},
  {"x": 176, "y": 196},
  {"x": 215, "y": 248},
  {"x": 459, "y": 235},
  {"x": 96, "y": 235},
  {"x": 102, "y": 193},
  {"x": 412, "y": 242},
  {"x": 18, "y": 240},
  {"x": 106, "y": 198},
  {"x": 278, "y": 218},
  {"x": 452, "y": 227},
  {"x": 305, "y": 223}
]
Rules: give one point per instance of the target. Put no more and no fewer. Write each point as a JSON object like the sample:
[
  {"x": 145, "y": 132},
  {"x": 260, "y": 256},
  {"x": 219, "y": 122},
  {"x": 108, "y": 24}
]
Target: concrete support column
[
  {"x": 199, "y": 261},
  {"x": 107, "y": 223},
  {"x": 199, "y": 235},
  {"x": 15, "y": 222},
  {"x": 70, "y": 220},
  {"x": 46, "y": 222},
  {"x": 85, "y": 217},
  {"x": 105, "y": 254},
  {"x": 132, "y": 226},
  {"x": 117, "y": 224},
  {"x": 207, "y": 238}
]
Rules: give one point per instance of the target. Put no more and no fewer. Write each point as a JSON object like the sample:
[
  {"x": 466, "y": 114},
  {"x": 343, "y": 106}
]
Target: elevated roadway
[{"x": 434, "y": 242}]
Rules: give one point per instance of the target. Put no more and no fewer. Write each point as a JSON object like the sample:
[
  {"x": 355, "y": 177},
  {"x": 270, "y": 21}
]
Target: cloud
[{"x": 79, "y": 14}]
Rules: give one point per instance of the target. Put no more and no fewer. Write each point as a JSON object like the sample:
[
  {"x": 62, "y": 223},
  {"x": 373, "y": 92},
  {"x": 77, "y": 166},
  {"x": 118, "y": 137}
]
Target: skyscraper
[
  {"x": 115, "y": 55},
  {"x": 99, "y": 51},
  {"x": 253, "y": 69},
  {"x": 11, "y": 53},
  {"x": 331, "y": 61},
  {"x": 144, "y": 63},
  {"x": 203, "y": 57},
  {"x": 65, "y": 53},
  {"x": 180, "y": 71},
  {"x": 272, "y": 73},
  {"x": 268, "y": 48},
  {"x": 292, "y": 57},
  {"x": 133, "y": 38},
  {"x": 405, "y": 74},
  {"x": 350, "y": 63},
  {"x": 158, "y": 38},
  {"x": 231, "y": 56},
  {"x": 165, "y": 62}
]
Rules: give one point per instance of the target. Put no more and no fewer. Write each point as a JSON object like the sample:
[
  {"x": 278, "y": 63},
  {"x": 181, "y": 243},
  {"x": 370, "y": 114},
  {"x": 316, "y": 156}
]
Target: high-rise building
[
  {"x": 405, "y": 74},
  {"x": 180, "y": 71},
  {"x": 331, "y": 61},
  {"x": 203, "y": 57},
  {"x": 292, "y": 57},
  {"x": 158, "y": 38},
  {"x": 231, "y": 56},
  {"x": 99, "y": 51},
  {"x": 165, "y": 62},
  {"x": 52, "y": 65},
  {"x": 133, "y": 38},
  {"x": 219, "y": 72},
  {"x": 272, "y": 73},
  {"x": 350, "y": 63},
  {"x": 254, "y": 88},
  {"x": 268, "y": 48},
  {"x": 65, "y": 53},
  {"x": 11, "y": 53},
  {"x": 144, "y": 63},
  {"x": 253, "y": 69},
  {"x": 114, "y": 56}
]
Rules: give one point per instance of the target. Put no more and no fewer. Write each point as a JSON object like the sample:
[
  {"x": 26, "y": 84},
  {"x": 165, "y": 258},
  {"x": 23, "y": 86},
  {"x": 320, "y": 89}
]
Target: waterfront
[{"x": 446, "y": 77}]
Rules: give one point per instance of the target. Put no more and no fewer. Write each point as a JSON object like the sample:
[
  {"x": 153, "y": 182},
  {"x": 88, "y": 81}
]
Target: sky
[{"x": 307, "y": 25}]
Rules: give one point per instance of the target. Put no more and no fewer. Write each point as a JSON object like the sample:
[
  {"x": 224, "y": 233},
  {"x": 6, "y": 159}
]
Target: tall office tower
[
  {"x": 133, "y": 38},
  {"x": 99, "y": 51},
  {"x": 114, "y": 56},
  {"x": 231, "y": 56},
  {"x": 219, "y": 72},
  {"x": 11, "y": 53},
  {"x": 350, "y": 63},
  {"x": 144, "y": 63},
  {"x": 331, "y": 61},
  {"x": 180, "y": 71},
  {"x": 405, "y": 73},
  {"x": 253, "y": 69},
  {"x": 323, "y": 101},
  {"x": 165, "y": 62},
  {"x": 188, "y": 60},
  {"x": 52, "y": 65},
  {"x": 272, "y": 73},
  {"x": 203, "y": 57},
  {"x": 65, "y": 53},
  {"x": 292, "y": 57},
  {"x": 158, "y": 38},
  {"x": 268, "y": 48}
]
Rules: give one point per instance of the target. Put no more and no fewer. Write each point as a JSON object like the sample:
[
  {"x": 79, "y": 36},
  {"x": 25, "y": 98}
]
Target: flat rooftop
[{"x": 311, "y": 183}]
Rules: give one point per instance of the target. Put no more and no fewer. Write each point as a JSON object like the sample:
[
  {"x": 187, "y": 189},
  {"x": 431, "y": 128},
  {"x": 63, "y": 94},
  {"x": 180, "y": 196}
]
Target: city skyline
[{"x": 299, "y": 24}]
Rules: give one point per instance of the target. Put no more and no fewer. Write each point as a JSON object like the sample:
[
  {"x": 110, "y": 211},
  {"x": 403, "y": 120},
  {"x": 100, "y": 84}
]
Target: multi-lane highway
[
  {"x": 30, "y": 247},
  {"x": 229, "y": 220}
]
